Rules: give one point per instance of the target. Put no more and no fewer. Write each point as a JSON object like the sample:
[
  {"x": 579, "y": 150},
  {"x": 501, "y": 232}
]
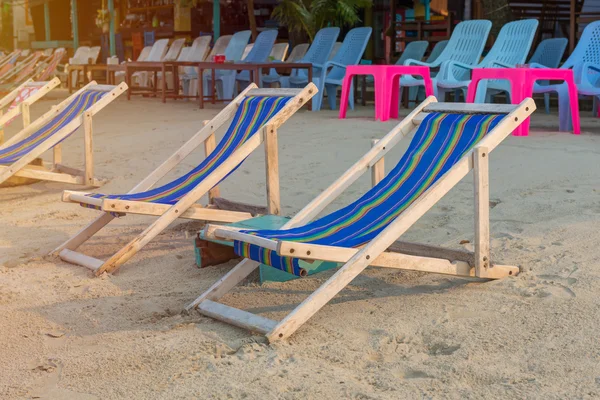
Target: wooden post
[
  {"x": 57, "y": 155},
  {"x": 75, "y": 24},
  {"x": 88, "y": 148},
  {"x": 272, "y": 168},
  {"x": 482, "y": 211},
  {"x": 572, "y": 27},
  {"x": 1, "y": 129},
  {"x": 209, "y": 146},
  {"x": 216, "y": 19},
  {"x": 26, "y": 114},
  {"x": 378, "y": 169},
  {"x": 47, "y": 20},
  {"x": 111, "y": 34}
]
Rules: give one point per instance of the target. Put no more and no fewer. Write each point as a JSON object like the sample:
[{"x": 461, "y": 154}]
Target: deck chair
[
  {"x": 256, "y": 113},
  {"x": 449, "y": 141},
  {"x": 18, "y": 101},
  {"x": 49, "y": 70},
  {"x": 48, "y": 131}
]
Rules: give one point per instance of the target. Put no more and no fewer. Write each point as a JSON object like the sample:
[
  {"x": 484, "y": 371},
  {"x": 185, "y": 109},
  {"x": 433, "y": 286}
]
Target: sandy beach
[{"x": 389, "y": 335}]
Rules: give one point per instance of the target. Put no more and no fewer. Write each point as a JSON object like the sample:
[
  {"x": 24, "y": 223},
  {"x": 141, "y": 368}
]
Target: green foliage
[{"x": 309, "y": 16}]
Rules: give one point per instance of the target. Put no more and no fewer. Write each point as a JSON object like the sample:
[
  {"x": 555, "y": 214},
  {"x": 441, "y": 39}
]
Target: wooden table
[
  {"x": 111, "y": 70},
  {"x": 255, "y": 70},
  {"x": 151, "y": 67}
]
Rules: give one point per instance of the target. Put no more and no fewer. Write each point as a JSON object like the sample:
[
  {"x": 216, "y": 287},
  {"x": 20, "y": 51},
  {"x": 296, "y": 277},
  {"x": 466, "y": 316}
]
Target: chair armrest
[
  {"x": 585, "y": 68},
  {"x": 495, "y": 64},
  {"x": 537, "y": 65},
  {"x": 334, "y": 64}
]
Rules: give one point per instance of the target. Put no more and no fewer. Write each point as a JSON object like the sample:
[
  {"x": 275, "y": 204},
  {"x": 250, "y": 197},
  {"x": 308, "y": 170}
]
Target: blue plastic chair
[
  {"x": 510, "y": 48},
  {"x": 296, "y": 55},
  {"x": 260, "y": 53},
  {"x": 233, "y": 52},
  {"x": 414, "y": 93},
  {"x": 317, "y": 54},
  {"x": 465, "y": 46},
  {"x": 549, "y": 53},
  {"x": 332, "y": 74},
  {"x": 585, "y": 62}
]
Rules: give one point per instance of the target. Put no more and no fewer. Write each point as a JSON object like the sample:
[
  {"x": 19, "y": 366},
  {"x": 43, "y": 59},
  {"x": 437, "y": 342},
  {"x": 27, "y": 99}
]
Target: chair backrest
[
  {"x": 262, "y": 46},
  {"x": 94, "y": 54},
  {"x": 549, "y": 52},
  {"x": 466, "y": 43},
  {"x": 588, "y": 47},
  {"x": 298, "y": 52},
  {"x": 52, "y": 64},
  {"x": 247, "y": 50},
  {"x": 414, "y": 51},
  {"x": 220, "y": 46},
  {"x": 237, "y": 46},
  {"x": 81, "y": 55},
  {"x": 513, "y": 43},
  {"x": 174, "y": 50},
  {"x": 334, "y": 50},
  {"x": 199, "y": 49},
  {"x": 320, "y": 49},
  {"x": 159, "y": 48},
  {"x": 48, "y": 52},
  {"x": 351, "y": 51},
  {"x": 144, "y": 53},
  {"x": 184, "y": 54},
  {"x": 437, "y": 50},
  {"x": 279, "y": 51}
]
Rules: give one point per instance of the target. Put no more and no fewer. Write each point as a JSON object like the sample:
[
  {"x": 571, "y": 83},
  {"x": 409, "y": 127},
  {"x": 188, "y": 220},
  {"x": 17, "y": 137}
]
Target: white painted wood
[
  {"x": 378, "y": 169},
  {"x": 471, "y": 108},
  {"x": 74, "y": 257},
  {"x": 272, "y": 170},
  {"x": 233, "y": 316},
  {"x": 482, "y": 211}
]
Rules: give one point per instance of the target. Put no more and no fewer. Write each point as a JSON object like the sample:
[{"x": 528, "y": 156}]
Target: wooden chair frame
[
  {"x": 23, "y": 107},
  {"x": 187, "y": 207},
  {"x": 58, "y": 172},
  {"x": 383, "y": 250}
]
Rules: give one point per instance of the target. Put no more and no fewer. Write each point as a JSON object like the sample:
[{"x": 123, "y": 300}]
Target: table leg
[
  {"x": 200, "y": 87},
  {"x": 345, "y": 93},
  {"x": 472, "y": 90},
  {"x": 163, "y": 70},
  {"x": 517, "y": 95},
  {"x": 155, "y": 86},
  {"x": 128, "y": 81},
  {"x": 574, "y": 101},
  {"x": 363, "y": 91},
  {"x": 213, "y": 85},
  {"x": 310, "y": 79},
  {"x": 175, "y": 82},
  {"x": 393, "y": 99},
  {"x": 428, "y": 85},
  {"x": 70, "y": 81},
  {"x": 257, "y": 76}
]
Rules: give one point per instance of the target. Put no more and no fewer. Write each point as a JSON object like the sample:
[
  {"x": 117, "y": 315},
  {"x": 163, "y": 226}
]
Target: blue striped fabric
[
  {"x": 252, "y": 114},
  {"x": 440, "y": 141},
  {"x": 78, "y": 106}
]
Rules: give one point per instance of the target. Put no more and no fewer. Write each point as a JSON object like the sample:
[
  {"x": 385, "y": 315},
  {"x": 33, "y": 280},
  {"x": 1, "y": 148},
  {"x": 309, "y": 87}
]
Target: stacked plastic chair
[
  {"x": 510, "y": 49},
  {"x": 549, "y": 53}
]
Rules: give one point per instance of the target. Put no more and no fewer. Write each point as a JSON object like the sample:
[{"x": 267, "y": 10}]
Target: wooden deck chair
[
  {"x": 18, "y": 101},
  {"x": 450, "y": 139},
  {"x": 256, "y": 115},
  {"x": 48, "y": 131}
]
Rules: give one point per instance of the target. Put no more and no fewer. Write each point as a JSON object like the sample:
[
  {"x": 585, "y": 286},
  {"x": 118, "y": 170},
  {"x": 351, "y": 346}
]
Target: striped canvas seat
[
  {"x": 441, "y": 140},
  {"x": 76, "y": 108},
  {"x": 252, "y": 113}
]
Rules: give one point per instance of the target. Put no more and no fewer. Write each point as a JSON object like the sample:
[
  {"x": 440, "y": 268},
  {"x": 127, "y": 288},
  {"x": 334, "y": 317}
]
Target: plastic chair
[
  {"x": 318, "y": 54},
  {"x": 465, "y": 46},
  {"x": 296, "y": 55},
  {"x": 510, "y": 48},
  {"x": 233, "y": 52},
  {"x": 332, "y": 74},
  {"x": 219, "y": 47},
  {"x": 549, "y": 53},
  {"x": 414, "y": 93},
  {"x": 437, "y": 50},
  {"x": 336, "y": 48},
  {"x": 585, "y": 62},
  {"x": 259, "y": 53}
]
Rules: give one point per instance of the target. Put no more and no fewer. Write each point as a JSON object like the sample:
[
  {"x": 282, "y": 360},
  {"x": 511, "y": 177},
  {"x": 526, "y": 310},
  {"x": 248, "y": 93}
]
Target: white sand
[{"x": 390, "y": 335}]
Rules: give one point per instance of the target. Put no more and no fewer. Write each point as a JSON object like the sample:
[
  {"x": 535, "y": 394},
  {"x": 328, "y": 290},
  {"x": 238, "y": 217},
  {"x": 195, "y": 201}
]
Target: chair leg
[
  {"x": 547, "y": 102},
  {"x": 564, "y": 109}
]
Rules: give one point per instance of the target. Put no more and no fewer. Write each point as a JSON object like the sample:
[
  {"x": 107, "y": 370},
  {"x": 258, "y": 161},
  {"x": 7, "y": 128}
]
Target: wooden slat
[
  {"x": 234, "y": 316},
  {"x": 274, "y": 92},
  {"x": 229, "y": 205},
  {"x": 74, "y": 257},
  {"x": 427, "y": 250},
  {"x": 470, "y": 108},
  {"x": 482, "y": 210}
]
